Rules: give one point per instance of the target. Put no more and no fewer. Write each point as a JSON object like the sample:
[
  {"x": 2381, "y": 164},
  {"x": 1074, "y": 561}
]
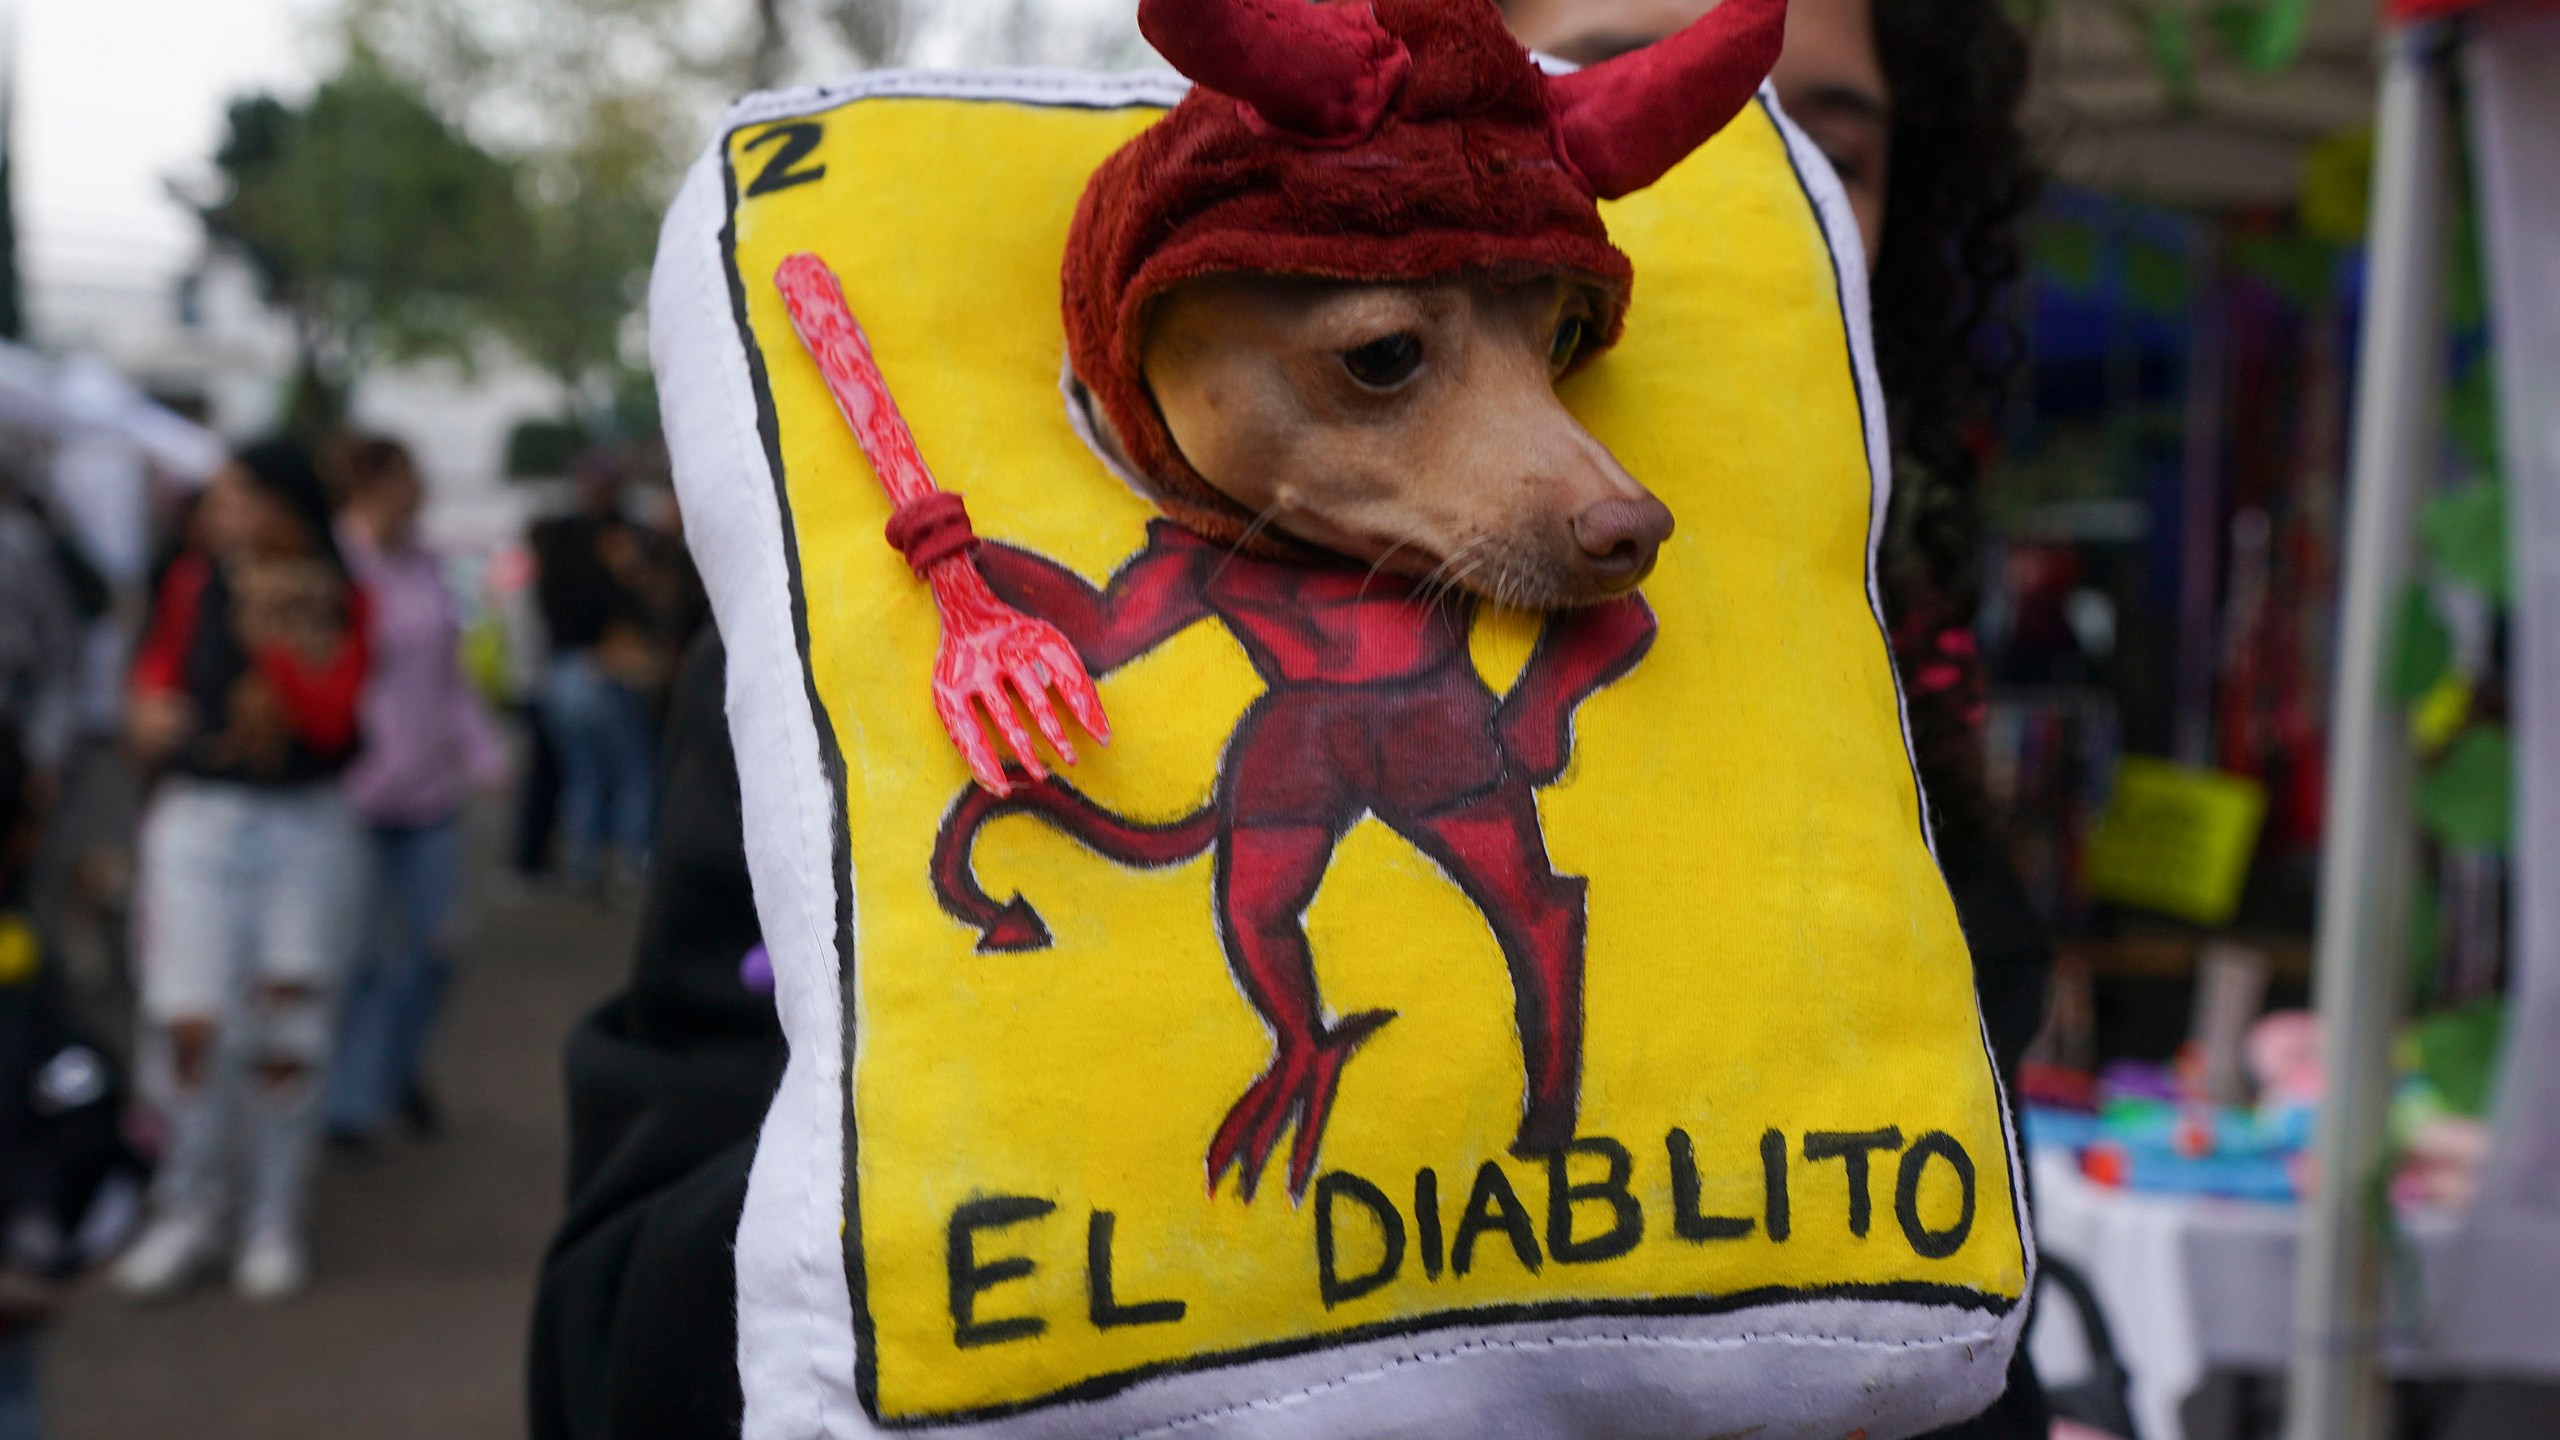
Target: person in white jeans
[
  {"x": 250, "y": 900},
  {"x": 251, "y": 882}
]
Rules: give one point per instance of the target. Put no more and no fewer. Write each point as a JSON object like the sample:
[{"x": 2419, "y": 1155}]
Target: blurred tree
[
  {"x": 377, "y": 228},
  {"x": 595, "y": 103},
  {"x": 772, "y": 45},
  {"x": 879, "y": 31},
  {"x": 1075, "y": 34},
  {"x": 592, "y": 108},
  {"x": 594, "y": 204}
]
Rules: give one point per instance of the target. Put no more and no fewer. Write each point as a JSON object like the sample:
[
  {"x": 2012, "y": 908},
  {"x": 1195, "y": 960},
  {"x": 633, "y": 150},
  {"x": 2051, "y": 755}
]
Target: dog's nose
[{"x": 1621, "y": 537}]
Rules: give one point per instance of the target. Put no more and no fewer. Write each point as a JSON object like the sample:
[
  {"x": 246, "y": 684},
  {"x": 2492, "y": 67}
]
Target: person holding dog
[
  {"x": 1915, "y": 104},
  {"x": 245, "y": 699}
]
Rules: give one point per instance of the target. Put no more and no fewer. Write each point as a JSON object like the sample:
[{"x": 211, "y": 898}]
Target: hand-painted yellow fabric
[{"x": 1784, "y": 1090}]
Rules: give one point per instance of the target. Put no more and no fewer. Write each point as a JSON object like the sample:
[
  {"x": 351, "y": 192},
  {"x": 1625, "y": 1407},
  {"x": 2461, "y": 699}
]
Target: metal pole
[{"x": 2336, "y": 1390}]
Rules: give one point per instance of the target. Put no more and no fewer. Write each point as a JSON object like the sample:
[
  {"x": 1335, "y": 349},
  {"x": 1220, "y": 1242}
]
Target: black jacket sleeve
[
  {"x": 635, "y": 1324},
  {"x": 2012, "y": 959}
]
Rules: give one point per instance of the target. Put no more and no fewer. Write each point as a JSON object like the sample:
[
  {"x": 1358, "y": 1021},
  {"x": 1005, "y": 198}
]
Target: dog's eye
[
  {"x": 1385, "y": 364},
  {"x": 1568, "y": 341}
]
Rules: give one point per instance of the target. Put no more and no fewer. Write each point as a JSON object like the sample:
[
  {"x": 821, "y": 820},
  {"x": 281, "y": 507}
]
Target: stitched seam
[
  {"x": 704, "y": 294},
  {"x": 1034, "y": 86},
  {"x": 1468, "y": 1349},
  {"x": 773, "y": 576}
]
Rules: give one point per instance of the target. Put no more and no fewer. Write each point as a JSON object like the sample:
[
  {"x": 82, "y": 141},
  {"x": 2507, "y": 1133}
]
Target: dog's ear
[
  {"x": 1625, "y": 122},
  {"x": 1323, "y": 74}
]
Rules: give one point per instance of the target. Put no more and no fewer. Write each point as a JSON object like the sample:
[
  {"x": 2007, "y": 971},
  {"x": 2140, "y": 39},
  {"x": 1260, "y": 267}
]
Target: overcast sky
[{"x": 114, "y": 96}]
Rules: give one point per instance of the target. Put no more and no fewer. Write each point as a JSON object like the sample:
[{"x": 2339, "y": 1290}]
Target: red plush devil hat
[{"x": 1383, "y": 141}]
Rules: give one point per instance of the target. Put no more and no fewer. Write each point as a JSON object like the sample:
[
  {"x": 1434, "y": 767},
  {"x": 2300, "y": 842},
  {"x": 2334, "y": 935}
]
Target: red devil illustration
[{"x": 1372, "y": 707}]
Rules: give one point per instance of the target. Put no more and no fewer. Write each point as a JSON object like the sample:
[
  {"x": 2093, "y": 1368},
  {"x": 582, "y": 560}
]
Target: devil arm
[
  {"x": 1153, "y": 596},
  {"x": 1581, "y": 653}
]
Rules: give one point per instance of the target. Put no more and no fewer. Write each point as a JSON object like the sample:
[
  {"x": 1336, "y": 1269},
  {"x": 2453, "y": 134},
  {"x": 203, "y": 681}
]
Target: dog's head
[{"x": 1327, "y": 298}]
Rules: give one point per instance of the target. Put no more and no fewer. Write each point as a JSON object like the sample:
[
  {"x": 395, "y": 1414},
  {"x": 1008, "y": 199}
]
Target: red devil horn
[
  {"x": 1627, "y": 121},
  {"x": 1324, "y": 73}
]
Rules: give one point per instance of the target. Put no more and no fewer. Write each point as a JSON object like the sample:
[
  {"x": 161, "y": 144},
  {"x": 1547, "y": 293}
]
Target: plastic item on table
[
  {"x": 2191, "y": 1149},
  {"x": 2114, "y": 1163},
  {"x": 2057, "y": 1087},
  {"x": 2200, "y": 1130},
  {"x": 2137, "y": 1080},
  {"x": 2130, "y": 1113},
  {"x": 2284, "y": 1057},
  {"x": 2440, "y": 1163},
  {"x": 2048, "y": 1128},
  {"x": 2439, "y": 1149}
]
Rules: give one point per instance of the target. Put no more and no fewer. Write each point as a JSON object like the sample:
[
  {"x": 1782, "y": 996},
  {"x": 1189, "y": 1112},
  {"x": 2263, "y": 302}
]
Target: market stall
[{"x": 2273, "y": 631}]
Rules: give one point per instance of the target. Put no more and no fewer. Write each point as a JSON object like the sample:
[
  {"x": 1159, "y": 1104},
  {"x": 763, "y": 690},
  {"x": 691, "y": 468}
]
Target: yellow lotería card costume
[{"x": 1790, "y": 1202}]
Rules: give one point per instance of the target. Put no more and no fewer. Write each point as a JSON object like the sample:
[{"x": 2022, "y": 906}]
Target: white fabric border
[
  {"x": 795, "y": 1317},
  {"x": 1849, "y": 262},
  {"x": 1811, "y": 1368}
]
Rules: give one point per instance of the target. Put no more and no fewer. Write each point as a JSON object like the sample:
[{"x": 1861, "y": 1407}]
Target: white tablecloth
[{"x": 2191, "y": 1284}]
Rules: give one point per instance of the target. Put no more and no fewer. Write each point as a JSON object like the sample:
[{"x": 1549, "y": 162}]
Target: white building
[{"x": 202, "y": 341}]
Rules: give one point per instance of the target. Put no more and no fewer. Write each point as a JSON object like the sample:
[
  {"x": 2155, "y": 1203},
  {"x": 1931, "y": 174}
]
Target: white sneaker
[
  {"x": 271, "y": 1267},
  {"x": 171, "y": 1252}
]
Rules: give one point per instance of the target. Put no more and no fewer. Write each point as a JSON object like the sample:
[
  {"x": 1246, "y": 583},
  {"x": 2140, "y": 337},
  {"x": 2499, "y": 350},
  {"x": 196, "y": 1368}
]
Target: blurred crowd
[{"x": 232, "y": 842}]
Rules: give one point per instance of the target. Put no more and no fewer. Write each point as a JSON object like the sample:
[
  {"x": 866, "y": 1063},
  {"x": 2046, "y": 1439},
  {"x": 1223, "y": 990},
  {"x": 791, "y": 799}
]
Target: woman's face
[
  {"x": 1829, "y": 76},
  {"x": 389, "y": 503},
  {"x": 239, "y": 520}
]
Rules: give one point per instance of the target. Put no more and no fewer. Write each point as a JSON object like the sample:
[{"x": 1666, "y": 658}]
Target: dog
[{"x": 1413, "y": 428}]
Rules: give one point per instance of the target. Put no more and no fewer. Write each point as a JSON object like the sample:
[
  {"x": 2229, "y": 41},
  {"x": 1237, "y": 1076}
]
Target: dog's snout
[{"x": 1620, "y": 538}]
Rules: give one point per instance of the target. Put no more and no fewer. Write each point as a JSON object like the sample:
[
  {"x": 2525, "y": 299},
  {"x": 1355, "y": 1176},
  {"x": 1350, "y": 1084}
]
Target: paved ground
[{"x": 424, "y": 1252}]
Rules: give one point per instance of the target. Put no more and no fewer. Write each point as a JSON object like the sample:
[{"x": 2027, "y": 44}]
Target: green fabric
[
  {"x": 2422, "y": 650},
  {"x": 2468, "y": 798},
  {"x": 2458, "y": 1053},
  {"x": 2465, "y": 531}
]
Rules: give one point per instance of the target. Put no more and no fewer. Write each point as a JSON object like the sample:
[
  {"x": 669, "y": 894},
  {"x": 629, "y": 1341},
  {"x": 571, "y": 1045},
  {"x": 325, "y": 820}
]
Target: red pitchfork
[{"x": 992, "y": 654}]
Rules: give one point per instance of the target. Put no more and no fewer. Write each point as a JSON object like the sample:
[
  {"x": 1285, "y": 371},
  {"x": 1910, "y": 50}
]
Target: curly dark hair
[{"x": 1947, "y": 350}]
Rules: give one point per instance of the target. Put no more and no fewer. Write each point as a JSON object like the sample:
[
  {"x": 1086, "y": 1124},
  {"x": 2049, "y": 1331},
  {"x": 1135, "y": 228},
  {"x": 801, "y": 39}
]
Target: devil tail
[{"x": 1013, "y": 925}]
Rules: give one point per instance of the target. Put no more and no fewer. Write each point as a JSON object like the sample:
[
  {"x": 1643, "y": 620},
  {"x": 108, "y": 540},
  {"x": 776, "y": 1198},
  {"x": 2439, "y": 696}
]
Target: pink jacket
[{"x": 427, "y": 738}]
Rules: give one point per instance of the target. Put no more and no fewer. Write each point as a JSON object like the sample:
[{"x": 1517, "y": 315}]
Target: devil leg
[
  {"x": 1581, "y": 653},
  {"x": 1267, "y": 875},
  {"x": 1495, "y": 850}
]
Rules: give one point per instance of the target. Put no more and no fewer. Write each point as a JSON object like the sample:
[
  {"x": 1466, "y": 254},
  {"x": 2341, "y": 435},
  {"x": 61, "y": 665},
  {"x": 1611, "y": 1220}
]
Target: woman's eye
[
  {"x": 1385, "y": 364},
  {"x": 1568, "y": 341}
]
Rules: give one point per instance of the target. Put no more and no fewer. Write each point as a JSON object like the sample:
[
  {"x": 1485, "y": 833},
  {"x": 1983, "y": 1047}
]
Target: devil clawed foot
[
  {"x": 1546, "y": 1127},
  {"x": 1297, "y": 1086}
]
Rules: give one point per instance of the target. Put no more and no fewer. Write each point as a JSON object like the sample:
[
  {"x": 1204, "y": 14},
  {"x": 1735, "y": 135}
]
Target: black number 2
[{"x": 784, "y": 170}]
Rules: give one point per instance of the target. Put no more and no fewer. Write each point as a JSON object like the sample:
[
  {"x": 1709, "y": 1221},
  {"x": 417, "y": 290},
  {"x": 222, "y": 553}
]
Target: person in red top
[{"x": 244, "y": 699}]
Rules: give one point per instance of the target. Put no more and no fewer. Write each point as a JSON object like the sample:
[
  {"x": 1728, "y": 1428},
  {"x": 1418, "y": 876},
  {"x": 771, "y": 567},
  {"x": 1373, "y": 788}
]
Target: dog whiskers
[
  {"x": 1268, "y": 516},
  {"x": 1380, "y": 563},
  {"x": 1429, "y": 585},
  {"x": 1451, "y": 574}
]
